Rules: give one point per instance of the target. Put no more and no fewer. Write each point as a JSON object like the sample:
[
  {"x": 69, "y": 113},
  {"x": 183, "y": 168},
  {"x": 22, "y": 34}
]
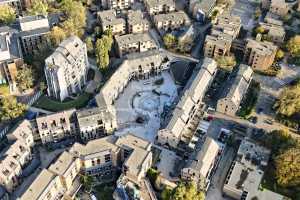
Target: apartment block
[
  {"x": 171, "y": 21},
  {"x": 155, "y": 7},
  {"x": 136, "y": 23},
  {"x": 135, "y": 66},
  {"x": 94, "y": 123},
  {"x": 99, "y": 158},
  {"x": 56, "y": 126},
  {"x": 274, "y": 32},
  {"x": 67, "y": 168},
  {"x": 16, "y": 156},
  {"x": 130, "y": 43},
  {"x": 109, "y": 20},
  {"x": 259, "y": 54},
  {"x": 33, "y": 31},
  {"x": 201, "y": 162},
  {"x": 233, "y": 95},
  {"x": 223, "y": 33},
  {"x": 66, "y": 69},
  {"x": 117, "y": 5},
  {"x": 187, "y": 113},
  {"x": 46, "y": 186},
  {"x": 279, "y": 7},
  {"x": 10, "y": 57},
  {"x": 136, "y": 156},
  {"x": 201, "y": 10},
  {"x": 250, "y": 163}
]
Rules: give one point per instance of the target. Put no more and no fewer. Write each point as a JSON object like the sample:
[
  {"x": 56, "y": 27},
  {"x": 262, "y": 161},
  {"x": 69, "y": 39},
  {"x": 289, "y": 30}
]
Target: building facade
[
  {"x": 33, "y": 31},
  {"x": 187, "y": 113},
  {"x": 201, "y": 10},
  {"x": 66, "y": 69},
  {"x": 136, "y": 23},
  {"x": 10, "y": 57},
  {"x": 16, "y": 156},
  {"x": 155, "y": 7},
  {"x": 116, "y": 5},
  {"x": 259, "y": 54},
  {"x": 171, "y": 21},
  {"x": 134, "y": 43},
  {"x": 55, "y": 127},
  {"x": 99, "y": 158},
  {"x": 201, "y": 163},
  {"x": 232, "y": 97},
  {"x": 223, "y": 33},
  {"x": 94, "y": 123},
  {"x": 109, "y": 20}
]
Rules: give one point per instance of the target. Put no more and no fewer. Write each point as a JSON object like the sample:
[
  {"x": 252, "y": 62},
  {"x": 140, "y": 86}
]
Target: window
[{"x": 107, "y": 158}]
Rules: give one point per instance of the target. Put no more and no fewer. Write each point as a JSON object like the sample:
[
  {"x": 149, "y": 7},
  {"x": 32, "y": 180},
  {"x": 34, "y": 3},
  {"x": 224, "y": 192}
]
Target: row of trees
[{"x": 102, "y": 49}]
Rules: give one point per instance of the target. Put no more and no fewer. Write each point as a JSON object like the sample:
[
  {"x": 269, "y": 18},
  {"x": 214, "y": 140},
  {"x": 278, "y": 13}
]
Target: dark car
[{"x": 253, "y": 120}]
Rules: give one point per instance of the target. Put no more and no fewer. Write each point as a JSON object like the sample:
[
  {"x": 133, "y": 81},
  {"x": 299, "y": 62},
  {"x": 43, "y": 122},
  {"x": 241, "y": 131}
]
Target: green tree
[
  {"x": 102, "y": 55},
  {"x": 289, "y": 101},
  {"x": 260, "y": 30},
  {"x": 87, "y": 182},
  {"x": 279, "y": 54},
  {"x": 288, "y": 168},
  {"x": 76, "y": 17},
  {"x": 89, "y": 45},
  {"x": 10, "y": 108},
  {"x": 187, "y": 191},
  {"x": 166, "y": 194},
  {"x": 293, "y": 46},
  {"x": 43, "y": 86},
  {"x": 57, "y": 35},
  {"x": 226, "y": 62},
  {"x": 24, "y": 77},
  {"x": 38, "y": 7},
  {"x": 7, "y": 14},
  {"x": 170, "y": 40}
]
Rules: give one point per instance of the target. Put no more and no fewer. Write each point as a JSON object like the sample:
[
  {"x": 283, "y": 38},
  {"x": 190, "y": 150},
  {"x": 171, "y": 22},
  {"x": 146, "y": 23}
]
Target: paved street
[{"x": 258, "y": 125}]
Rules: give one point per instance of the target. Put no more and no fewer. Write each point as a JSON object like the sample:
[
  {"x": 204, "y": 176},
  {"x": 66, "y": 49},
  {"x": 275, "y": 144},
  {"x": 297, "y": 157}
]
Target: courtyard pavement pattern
[{"x": 140, "y": 100}]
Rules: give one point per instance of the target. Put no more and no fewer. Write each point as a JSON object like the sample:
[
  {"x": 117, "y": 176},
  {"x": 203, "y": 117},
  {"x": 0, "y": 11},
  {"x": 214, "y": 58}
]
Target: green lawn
[
  {"x": 46, "y": 103},
  {"x": 104, "y": 191}
]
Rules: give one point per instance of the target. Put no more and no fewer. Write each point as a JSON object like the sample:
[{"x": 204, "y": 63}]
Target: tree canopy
[
  {"x": 57, "y": 35},
  {"x": 25, "y": 77},
  {"x": 76, "y": 17},
  {"x": 89, "y": 45},
  {"x": 102, "y": 49},
  {"x": 288, "y": 167},
  {"x": 184, "y": 191},
  {"x": 293, "y": 46},
  {"x": 38, "y": 7},
  {"x": 289, "y": 101},
  {"x": 170, "y": 40},
  {"x": 7, "y": 14},
  {"x": 10, "y": 108}
]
